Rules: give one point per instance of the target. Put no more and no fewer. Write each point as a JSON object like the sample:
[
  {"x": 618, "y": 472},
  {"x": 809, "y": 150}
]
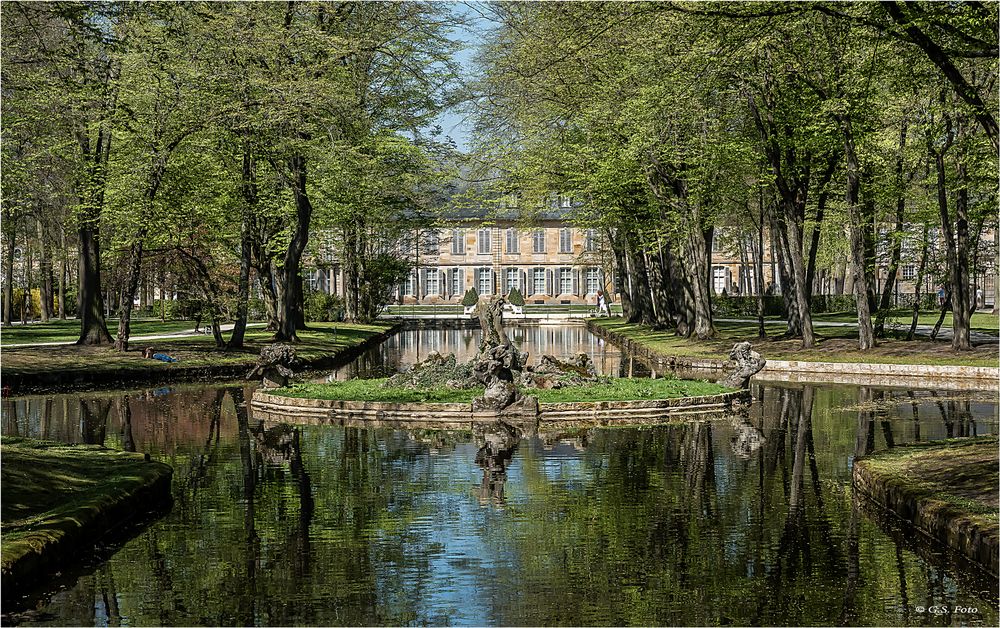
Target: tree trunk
[
  {"x": 996, "y": 270},
  {"x": 962, "y": 302},
  {"x": 957, "y": 277},
  {"x": 290, "y": 307},
  {"x": 249, "y": 189},
  {"x": 761, "y": 330},
  {"x": 699, "y": 246},
  {"x": 93, "y": 329},
  {"x": 944, "y": 312},
  {"x": 616, "y": 240},
  {"x": 90, "y": 298},
  {"x": 8, "y": 274},
  {"x": 63, "y": 272},
  {"x": 824, "y": 194},
  {"x": 129, "y": 288},
  {"x": 780, "y": 250},
  {"x": 642, "y": 311},
  {"x": 866, "y": 339},
  {"x": 265, "y": 278},
  {"x": 897, "y": 240},
  {"x": 919, "y": 284},
  {"x": 801, "y": 294},
  {"x": 44, "y": 275}
]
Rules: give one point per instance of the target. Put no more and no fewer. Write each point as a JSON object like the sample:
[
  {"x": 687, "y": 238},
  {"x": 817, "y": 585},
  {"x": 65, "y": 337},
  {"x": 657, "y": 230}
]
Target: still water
[{"x": 689, "y": 524}]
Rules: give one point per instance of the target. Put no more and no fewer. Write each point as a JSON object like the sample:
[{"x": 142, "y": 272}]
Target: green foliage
[
  {"x": 514, "y": 297},
  {"x": 471, "y": 297},
  {"x": 320, "y": 306}
]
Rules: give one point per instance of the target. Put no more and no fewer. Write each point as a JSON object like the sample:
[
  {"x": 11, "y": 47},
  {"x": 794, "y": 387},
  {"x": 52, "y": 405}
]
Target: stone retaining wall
[
  {"x": 938, "y": 520},
  {"x": 269, "y": 407},
  {"x": 953, "y": 377}
]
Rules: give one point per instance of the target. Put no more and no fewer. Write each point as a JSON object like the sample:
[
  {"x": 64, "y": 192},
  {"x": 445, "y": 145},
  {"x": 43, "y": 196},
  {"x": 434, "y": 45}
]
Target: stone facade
[{"x": 559, "y": 263}]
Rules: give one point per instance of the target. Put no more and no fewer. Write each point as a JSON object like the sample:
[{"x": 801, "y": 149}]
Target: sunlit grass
[
  {"x": 321, "y": 340},
  {"x": 616, "y": 389},
  {"x": 834, "y": 344}
]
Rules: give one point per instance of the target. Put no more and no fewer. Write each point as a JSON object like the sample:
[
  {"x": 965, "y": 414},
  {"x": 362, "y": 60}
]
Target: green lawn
[
  {"x": 51, "y": 490},
  {"x": 835, "y": 344},
  {"x": 618, "y": 389},
  {"x": 69, "y": 330},
  {"x": 320, "y": 341},
  {"x": 981, "y": 321}
]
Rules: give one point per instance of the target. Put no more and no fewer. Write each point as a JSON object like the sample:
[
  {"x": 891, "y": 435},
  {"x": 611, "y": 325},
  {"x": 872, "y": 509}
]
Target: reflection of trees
[
  {"x": 125, "y": 418},
  {"x": 94, "y": 413}
]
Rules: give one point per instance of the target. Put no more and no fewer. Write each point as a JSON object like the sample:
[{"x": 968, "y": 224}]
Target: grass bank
[
  {"x": 946, "y": 489},
  {"x": 618, "y": 389},
  {"x": 321, "y": 345},
  {"x": 834, "y": 344},
  {"x": 57, "y": 499}
]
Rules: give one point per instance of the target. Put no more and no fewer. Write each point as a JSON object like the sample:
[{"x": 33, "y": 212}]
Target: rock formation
[
  {"x": 551, "y": 372},
  {"x": 273, "y": 365},
  {"x": 498, "y": 360},
  {"x": 745, "y": 363}
]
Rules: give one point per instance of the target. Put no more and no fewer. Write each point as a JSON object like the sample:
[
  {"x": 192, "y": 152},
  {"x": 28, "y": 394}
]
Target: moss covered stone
[{"x": 57, "y": 499}]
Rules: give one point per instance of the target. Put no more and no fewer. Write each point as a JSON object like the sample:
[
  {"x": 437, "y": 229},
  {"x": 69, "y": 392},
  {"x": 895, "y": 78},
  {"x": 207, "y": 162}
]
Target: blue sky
[{"x": 454, "y": 123}]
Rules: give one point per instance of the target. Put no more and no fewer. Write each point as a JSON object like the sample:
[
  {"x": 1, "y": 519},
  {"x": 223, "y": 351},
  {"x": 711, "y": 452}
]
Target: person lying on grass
[{"x": 162, "y": 357}]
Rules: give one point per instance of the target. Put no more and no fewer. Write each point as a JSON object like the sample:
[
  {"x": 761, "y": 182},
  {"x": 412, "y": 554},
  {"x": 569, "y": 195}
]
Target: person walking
[{"x": 602, "y": 305}]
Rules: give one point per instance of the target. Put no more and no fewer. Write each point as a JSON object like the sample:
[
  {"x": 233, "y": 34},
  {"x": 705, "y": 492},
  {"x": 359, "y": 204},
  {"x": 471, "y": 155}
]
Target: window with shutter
[
  {"x": 484, "y": 241},
  {"x": 485, "y": 282},
  {"x": 512, "y": 244},
  {"x": 538, "y": 281},
  {"x": 565, "y": 281},
  {"x": 458, "y": 242},
  {"x": 538, "y": 241},
  {"x": 565, "y": 240},
  {"x": 549, "y": 283}
]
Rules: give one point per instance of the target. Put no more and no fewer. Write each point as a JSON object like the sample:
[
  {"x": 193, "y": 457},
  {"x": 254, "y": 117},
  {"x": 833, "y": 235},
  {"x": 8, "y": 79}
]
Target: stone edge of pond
[
  {"x": 268, "y": 406},
  {"x": 53, "y": 543},
  {"x": 939, "y": 520},
  {"x": 26, "y": 383},
  {"x": 794, "y": 370}
]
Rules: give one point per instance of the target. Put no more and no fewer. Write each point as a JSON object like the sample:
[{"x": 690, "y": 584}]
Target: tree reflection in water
[{"x": 666, "y": 524}]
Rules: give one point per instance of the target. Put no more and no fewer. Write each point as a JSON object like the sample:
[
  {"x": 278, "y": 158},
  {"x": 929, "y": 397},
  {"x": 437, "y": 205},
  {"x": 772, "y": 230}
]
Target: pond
[{"x": 689, "y": 524}]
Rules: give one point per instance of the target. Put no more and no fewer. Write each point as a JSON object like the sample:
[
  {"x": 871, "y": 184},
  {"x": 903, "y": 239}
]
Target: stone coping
[
  {"x": 270, "y": 407},
  {"x": 961, "y": 377},
  {"x": 941, "y": 521}
]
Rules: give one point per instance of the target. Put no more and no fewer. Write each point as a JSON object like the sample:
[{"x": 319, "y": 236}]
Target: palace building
[{"x": 554, "y": 262}]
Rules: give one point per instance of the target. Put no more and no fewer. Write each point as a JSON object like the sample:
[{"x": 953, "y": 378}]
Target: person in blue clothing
[{"x": 162, "y": 357}]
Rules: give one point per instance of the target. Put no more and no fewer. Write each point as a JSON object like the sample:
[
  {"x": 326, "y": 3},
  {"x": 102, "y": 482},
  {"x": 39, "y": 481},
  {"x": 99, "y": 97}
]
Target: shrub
[
  {"x": 514, "y": 297},
  {"x": 323, "y": 307},
  {"x": 471, "y": 297}
]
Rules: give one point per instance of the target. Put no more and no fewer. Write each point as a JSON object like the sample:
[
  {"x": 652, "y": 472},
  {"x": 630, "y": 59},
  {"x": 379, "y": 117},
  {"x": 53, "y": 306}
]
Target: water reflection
[
  {"x": 413, "y": 345},
  {"x": 746, "y": 521},
  {"x": 497, "y": 443}
]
